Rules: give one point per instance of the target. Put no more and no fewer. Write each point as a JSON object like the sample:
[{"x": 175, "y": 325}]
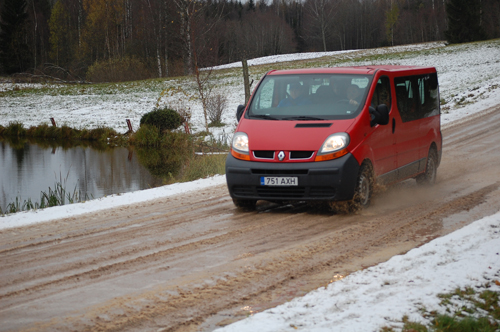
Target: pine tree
[
  {"x": 14, "y": 53},
  {"x": 464, "y": 21}
]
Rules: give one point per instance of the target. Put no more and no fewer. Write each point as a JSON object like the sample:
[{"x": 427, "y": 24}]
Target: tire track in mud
[
  {"x": 190, "y": 262},
  {"x": 325, "y": 252}
]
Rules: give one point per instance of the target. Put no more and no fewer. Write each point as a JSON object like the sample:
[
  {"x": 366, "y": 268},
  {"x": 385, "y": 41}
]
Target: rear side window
[{"x": 417, "y": 96}]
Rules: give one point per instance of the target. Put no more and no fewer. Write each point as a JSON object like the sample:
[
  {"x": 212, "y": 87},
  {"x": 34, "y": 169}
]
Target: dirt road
[{"x": 194, "y": 262}]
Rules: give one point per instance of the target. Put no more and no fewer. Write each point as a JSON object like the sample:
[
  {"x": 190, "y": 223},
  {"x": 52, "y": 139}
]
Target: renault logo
[{"x": 281, "y": 156}]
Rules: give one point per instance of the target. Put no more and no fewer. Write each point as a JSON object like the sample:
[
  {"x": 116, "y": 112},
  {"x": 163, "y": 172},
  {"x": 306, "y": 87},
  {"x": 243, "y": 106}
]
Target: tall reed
[{"x": 54, "y": 197}]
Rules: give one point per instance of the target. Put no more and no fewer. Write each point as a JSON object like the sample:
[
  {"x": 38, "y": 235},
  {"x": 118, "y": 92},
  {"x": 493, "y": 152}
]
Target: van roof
[{"x": 367, "y": 70}]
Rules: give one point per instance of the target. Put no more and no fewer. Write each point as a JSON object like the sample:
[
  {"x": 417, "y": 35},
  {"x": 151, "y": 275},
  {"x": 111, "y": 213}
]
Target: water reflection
[{"x": 27, "y": 169}]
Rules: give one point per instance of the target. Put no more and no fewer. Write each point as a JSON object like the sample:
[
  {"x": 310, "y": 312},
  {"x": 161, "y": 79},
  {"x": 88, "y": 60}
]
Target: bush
[
  {"x": 163, "y": 119},
  {"x": 118, "y": 70},
  {"x": 215, "y": 108},
  {"x": 147, "y": 135},
  {"x": 167, "y": 157}
]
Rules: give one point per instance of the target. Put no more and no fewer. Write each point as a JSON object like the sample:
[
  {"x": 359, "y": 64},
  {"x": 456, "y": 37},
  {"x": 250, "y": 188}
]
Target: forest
[{"x": 117, "y": 40}]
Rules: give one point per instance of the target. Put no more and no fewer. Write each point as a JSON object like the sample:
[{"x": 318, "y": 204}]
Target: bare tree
[{"x": 321, "y": 14}]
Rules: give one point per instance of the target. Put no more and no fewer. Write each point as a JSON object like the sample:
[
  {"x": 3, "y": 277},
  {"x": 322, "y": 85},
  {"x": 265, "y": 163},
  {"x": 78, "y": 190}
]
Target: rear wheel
[
  {"x": 247, "y": 204},
  {"x": 429, "y": 176}
]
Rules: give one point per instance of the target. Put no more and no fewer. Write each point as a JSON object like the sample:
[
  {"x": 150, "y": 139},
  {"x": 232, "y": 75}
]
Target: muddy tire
[
  {"x": 246, "y": 204},
  {"x": 364, "y": 188},
  {"x": 362, "y": 193},
  {"x": 429, "y": 176}
]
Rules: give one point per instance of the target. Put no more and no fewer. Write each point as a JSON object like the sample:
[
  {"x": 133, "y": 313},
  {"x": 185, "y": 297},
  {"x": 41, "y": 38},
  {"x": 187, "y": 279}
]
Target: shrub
[
  {"x": 167, "y": 160},
  {"x": 163, "y": 119},
  {"x": 118, "y": 70},
  {"x": 147, "y": 135},
  {"x": 215, "y": 108}
]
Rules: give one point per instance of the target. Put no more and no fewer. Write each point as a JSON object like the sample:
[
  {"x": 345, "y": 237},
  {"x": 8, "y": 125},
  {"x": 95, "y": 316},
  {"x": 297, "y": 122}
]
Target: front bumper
[{"x": 332, "y": 180}]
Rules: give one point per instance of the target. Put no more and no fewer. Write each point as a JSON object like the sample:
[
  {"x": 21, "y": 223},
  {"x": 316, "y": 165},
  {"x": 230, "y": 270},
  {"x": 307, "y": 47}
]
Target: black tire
[
  {"x": 429, "y": 176},
  {"x": 364, "y": 188},
  {"x": 246, "y": 204}
]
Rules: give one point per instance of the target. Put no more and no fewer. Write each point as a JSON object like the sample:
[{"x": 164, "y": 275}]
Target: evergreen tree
[
  {"x": 251, "y": 5},
  {"x": 14, "y": 52},
  {"x": 464, "y": 21}
]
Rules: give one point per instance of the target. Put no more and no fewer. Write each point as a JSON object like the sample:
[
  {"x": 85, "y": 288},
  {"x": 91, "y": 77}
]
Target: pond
[{"x": 28, "y": 169}]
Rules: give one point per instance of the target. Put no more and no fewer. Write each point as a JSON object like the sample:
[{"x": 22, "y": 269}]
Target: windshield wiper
[
  {"x": 263, "y": 116},
  {"x": 302, "y": 118}
]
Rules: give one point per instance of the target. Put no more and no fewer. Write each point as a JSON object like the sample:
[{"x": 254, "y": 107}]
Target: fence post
[
  {"x": 186, "y": 127},
  {"x": 129, "y": 124}
]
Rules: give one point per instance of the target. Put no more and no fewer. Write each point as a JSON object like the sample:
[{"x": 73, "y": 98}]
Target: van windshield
[{"x": 310, "y": 97}]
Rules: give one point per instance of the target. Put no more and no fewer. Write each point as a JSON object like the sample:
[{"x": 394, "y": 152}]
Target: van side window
[
  {"x": 429, "y": 95},
  {"x": 417, "y": 96},
  {"x": 382, "y": 94}
]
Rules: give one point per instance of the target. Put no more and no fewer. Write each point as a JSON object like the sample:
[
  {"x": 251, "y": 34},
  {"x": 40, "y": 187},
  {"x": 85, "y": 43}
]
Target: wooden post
[
  {"x": 186, "y": 127},
  {"x": 129, "y": 124},
  {"x": 246, "y": 80}
]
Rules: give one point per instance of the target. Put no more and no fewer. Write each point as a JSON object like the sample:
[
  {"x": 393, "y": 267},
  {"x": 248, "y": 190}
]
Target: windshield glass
[{"x": 310, "y": 97}]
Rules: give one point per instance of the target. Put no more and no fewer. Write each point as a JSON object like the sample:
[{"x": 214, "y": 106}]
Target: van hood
[{"x": 273, "y": 135}]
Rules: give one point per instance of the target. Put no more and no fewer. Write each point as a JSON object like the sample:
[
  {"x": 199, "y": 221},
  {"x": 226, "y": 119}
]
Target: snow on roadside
[{"x": 381, "y": 295}]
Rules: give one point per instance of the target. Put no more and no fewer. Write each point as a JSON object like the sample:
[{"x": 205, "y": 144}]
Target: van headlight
[
  {"x": 335, "y": 146},
  {"x": 239, "y": 147}
]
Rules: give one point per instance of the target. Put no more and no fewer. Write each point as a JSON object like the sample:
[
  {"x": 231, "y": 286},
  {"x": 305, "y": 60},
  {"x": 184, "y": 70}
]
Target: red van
[{"x": 328, "y": 134}]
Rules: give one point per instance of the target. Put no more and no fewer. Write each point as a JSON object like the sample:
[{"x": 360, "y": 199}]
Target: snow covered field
[{"x": 379, "y": 296}]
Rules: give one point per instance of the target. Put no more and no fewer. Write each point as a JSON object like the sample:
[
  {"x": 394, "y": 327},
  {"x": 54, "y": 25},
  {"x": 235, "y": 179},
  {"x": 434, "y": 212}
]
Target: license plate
[{"x": 279, "y": 181}]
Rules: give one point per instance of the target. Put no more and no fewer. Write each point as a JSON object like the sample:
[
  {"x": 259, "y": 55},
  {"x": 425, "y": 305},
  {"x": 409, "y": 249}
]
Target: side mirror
[
  {"x": 379, "y": 115},
  {"x": 239, "y": 112}
]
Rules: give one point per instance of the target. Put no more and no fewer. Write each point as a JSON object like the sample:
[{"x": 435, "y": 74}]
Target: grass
[
  {"x": 203, "y": 166},
  {"x": 464, "y": 310},
  {"x": 102, "y": 135}
]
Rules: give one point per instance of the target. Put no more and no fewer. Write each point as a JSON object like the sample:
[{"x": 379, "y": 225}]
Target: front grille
[
  {"x": 301, "y": 154},
  {"x": 264, "y": 154}
]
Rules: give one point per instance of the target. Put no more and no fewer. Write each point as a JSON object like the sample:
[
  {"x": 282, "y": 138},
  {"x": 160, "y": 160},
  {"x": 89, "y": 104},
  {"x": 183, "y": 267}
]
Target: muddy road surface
[{"x": 194, "y": 262}]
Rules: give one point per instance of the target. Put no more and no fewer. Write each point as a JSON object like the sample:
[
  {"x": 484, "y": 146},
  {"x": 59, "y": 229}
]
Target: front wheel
[
  {"x": 429, "y": 176},
  {"x": 362, "y": 192},
  {"x": 364, "y": 187}
]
